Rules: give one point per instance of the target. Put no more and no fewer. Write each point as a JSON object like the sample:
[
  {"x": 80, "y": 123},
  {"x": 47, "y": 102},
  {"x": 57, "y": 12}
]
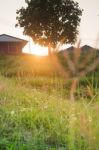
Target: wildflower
[
  {"x": 46, "y": 106},
  {"x": 23, "y": 109},
  {"x": 12, "y": 112},
  {"x": 90, "y": 119}
]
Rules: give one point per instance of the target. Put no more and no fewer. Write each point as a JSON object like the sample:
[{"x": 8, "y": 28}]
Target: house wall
[{"x": 11, "y": 47}]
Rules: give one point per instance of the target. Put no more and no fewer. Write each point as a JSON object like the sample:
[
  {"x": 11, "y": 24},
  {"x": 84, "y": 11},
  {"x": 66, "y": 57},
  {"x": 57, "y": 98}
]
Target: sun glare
[{"x": 35, "y": 49}]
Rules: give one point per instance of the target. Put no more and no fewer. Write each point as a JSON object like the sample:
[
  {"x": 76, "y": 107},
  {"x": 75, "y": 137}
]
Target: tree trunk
[{"x": 49, "y": 50}]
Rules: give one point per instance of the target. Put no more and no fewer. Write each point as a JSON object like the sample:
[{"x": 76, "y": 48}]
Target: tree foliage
[{"x": 48, "y": 22}]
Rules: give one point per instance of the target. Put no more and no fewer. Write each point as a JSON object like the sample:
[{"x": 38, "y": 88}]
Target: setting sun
[{"x": 35, "y": 49}]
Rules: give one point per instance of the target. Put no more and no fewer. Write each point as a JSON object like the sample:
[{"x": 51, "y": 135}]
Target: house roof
[
  {"x": 8, "y": 38},
  {"x": 87, "y": 48},
  {"x": 71, "y": 48}
]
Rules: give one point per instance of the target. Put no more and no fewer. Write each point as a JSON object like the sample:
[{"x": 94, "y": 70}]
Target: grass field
[{"x": 35, "y": 110}]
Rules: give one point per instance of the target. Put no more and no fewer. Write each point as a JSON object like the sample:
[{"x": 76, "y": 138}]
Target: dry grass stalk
[{"x": 79, "y": 68}]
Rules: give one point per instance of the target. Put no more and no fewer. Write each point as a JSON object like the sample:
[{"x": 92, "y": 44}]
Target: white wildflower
[
  {"x": 12, "y": 112},
  {"x": 90, "y": 119}
]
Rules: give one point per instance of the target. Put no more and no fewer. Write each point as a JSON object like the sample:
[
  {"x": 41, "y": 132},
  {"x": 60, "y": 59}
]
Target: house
[
  {"x": 87, "y": 48},
  {"x": 11, "y": 45},
  {"x": 69, "y": 49}
]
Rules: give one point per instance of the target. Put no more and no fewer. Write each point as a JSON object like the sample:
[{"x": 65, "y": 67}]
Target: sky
[{"x": 88, "y": 30}]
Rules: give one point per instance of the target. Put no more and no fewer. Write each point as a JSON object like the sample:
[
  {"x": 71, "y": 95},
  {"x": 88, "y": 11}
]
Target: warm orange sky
[{"x": 89, "y": 27}]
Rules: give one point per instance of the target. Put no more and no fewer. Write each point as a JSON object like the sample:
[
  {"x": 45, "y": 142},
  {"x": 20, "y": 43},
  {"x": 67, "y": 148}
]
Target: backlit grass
[
  {"x": 31, "y": 118},
  {"x": 36, "y": 112}
]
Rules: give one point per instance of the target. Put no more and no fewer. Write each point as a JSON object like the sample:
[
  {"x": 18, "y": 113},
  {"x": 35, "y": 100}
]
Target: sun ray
[{"x": 35, "y": 49}]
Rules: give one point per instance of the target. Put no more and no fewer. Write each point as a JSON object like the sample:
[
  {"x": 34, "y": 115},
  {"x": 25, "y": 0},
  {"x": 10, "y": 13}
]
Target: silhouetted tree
[{"x": 49, "y": 22}]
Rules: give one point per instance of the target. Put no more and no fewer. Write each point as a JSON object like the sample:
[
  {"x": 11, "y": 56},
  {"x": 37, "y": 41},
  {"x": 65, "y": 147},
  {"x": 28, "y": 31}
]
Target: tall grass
[
  {"x": 35, "y": 111},
  {"x": 26, "y": 65},
  {"x": 33, "y": 118}
]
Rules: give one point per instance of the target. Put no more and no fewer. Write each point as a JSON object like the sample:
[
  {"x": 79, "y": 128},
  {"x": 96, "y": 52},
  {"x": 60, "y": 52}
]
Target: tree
[{"x": 50, "y": 22}]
